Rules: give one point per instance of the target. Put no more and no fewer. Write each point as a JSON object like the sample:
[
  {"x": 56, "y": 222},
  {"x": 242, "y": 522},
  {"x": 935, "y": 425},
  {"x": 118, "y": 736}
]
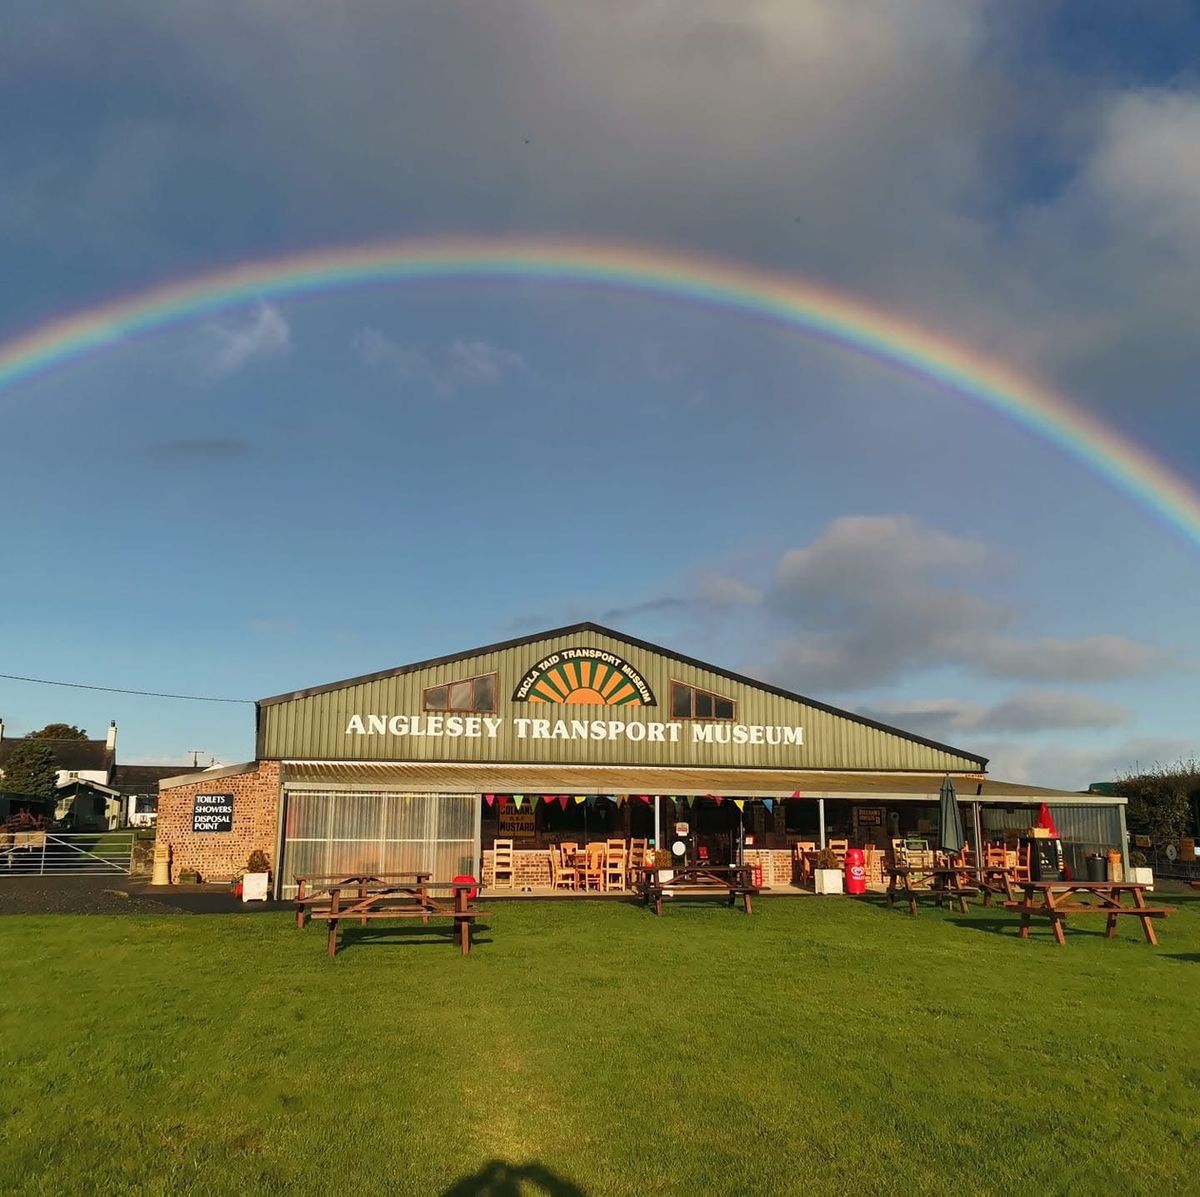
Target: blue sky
[{"x": 297, "y": 491}]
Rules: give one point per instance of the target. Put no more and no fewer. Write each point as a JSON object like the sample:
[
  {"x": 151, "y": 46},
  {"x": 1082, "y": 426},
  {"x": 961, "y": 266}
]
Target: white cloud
[
  {"x": 1025, "y": 712},
  {"x": 231, "y": 347},
  {"x": 1075, "y": 768},
  {"x": 877, "y": 596},
  {"x": 720, "y": 590},
  {"x": 461, "y": 364}
]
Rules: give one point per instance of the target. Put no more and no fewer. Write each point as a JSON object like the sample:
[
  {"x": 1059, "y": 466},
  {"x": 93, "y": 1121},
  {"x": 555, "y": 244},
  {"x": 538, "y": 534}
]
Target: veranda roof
[{"x": 419, "y": 777}]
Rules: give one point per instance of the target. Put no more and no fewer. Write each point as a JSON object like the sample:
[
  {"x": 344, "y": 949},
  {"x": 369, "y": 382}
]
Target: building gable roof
[
  {"x": 644, "y": 645},
  {"x": 75, "y": 756},
  {"x": 144, "y": 779}
]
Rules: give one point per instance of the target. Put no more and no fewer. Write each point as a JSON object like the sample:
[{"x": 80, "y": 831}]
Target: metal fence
[{"x": 66, "y": 854}]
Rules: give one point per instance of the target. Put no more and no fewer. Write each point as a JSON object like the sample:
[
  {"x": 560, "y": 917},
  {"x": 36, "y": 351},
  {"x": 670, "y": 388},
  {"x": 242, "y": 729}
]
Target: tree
[
  {"x": 1160, "y": 800},
  {"x": 58, "y": 731},
  {"x": 30, "y": 769}
]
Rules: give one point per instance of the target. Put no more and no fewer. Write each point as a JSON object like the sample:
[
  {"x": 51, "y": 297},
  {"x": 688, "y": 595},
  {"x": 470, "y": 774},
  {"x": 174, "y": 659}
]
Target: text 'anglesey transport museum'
[{"x": 578, "y": 734}]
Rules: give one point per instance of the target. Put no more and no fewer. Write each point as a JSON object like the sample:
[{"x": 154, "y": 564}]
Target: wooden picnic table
[
  {"x": 313, "y": 890},
  {"x": 1057, "y": 900},
  {"x": 947, "y": 884},
  {"x": 734, "y": 880},
  {"x": 385, "y": 896}
]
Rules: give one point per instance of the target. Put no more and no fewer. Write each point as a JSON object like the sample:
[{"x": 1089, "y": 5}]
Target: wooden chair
[
  {"x": 800, "y": 856},
  {"x": 562, "y": 876},
  {"x": 569, "y": 849},
  {"x": 504, "y": 874},
  {"x": 637, "y": 858},
  {"x": 841, "y": 847},
  {"x": 995, "y": 858},
  {"x": 1021, "y": 871},
  {"x": 590, "y": 867},
  {"x": 616, "y": 864}
]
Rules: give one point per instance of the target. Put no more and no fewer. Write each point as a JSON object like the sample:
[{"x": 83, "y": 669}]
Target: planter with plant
[
  {"x": 663, "y": 863},
  {"x": 256, "y": 880},
  {"x": 1138, "y": 872},
  {"x": 827, "y": 872}
]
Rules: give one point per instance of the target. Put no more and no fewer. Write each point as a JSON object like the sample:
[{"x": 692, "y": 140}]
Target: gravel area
[
  {"x": 116, "y": 895},
  {"x": 76, "y": 895}
]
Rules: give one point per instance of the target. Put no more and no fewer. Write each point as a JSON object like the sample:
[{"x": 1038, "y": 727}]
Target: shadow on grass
[
  {"x": 1183, "y": 957},
  {"x": 1040, "y": 928},
  {"x": 499, "y": 1178},
  {"x": 432, "y": 935}
]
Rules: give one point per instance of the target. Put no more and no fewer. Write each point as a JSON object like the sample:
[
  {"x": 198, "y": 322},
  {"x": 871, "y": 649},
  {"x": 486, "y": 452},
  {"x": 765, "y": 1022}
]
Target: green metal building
[{"x": 577, "y": 731}]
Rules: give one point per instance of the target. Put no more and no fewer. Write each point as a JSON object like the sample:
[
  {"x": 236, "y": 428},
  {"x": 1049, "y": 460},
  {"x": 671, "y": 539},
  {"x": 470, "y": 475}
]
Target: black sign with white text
[{"x": 213, "y": 812}]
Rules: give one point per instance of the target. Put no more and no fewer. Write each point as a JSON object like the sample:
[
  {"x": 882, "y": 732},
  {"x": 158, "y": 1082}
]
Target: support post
[
  {"x": 978, "y": 841},
  {"x": 821, "y": 817},
  {"x": 657, "y": 822}
]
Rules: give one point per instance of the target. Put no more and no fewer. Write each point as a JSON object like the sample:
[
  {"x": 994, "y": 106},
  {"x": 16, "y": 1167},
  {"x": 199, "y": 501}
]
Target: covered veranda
[{"x": 759, "y": 817}]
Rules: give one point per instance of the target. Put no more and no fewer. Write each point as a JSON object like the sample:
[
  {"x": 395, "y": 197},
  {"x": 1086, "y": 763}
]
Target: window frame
[
  {"x": 474, "y": 708},
  {"x": 716, "y": 698}
]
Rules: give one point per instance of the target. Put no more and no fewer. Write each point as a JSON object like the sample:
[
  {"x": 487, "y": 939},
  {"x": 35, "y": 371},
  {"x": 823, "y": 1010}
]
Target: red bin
[{"x": 856, "y": 871}]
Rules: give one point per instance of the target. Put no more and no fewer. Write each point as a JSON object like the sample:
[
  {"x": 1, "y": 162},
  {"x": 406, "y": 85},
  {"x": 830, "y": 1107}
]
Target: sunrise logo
[{"x": 585, "y": 676}]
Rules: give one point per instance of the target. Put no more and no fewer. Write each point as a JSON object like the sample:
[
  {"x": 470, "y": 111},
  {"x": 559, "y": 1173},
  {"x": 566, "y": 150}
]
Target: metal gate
[
  {"x": 66, "y": 854},
  {"x": 330, "y": 832}
]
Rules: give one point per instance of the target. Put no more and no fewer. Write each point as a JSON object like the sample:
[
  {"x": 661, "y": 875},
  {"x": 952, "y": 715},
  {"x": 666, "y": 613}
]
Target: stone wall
[{"x": 218, "y": 855}]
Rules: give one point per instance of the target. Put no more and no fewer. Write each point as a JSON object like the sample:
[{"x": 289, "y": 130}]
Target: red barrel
[{"x": 856, "y": 871}]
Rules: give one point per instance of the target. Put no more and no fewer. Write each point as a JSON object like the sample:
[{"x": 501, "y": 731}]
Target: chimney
[{"x": 111, "y": 742}]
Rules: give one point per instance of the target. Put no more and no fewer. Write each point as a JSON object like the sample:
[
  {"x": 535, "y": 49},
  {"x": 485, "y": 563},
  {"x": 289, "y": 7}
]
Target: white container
[
  {"x": 1142, "y": 876},
  {"x": 254, "y": 886},
  {"x": 827, "y": 881}
]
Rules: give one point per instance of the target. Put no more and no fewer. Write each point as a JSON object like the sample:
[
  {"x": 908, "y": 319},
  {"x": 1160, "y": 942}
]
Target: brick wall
[
  {"x": 533, "y": 867},
  {"x": 219, "y": 854},
  {"x": 529, "y": 868}
]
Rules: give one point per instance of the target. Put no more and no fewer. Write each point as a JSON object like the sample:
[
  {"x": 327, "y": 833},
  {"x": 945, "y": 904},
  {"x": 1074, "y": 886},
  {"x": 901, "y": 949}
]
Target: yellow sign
[{"x": 516, "y": 822}]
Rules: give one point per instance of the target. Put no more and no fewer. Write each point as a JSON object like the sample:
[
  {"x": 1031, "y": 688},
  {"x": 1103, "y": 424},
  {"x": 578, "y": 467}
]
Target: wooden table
[
  {"x": 1057, "y": 900},
  {"x": 732, "y": 880},
  {"x": 946, "y": 884},
  {"x": 315, "y": 890},
  {"x": 385, "y": 896}
]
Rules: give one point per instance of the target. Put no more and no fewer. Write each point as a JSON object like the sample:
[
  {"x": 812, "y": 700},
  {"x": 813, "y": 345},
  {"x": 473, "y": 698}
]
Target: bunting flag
[
  {"x": 580, "y": 799},
  {"x": 718, "y": 799},
  {"x": 619, "y": 799},
  {"x": 769, "y": 803},
  {"x": 517, "y": 800},
  {"x": 740, "y": 803},
  {"x": 644, "y": 798},
  {"x": 688, "y": 799},
  {"x": 489, "y": 799},
  {"x": 504, "y": 800},
  {"x": 562, "y": 801},
  {"x": 795, "y": 793}
]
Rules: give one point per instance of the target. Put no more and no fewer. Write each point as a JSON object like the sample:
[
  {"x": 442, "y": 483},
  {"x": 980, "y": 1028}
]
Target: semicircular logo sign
[{"x": 591, "y": 676}]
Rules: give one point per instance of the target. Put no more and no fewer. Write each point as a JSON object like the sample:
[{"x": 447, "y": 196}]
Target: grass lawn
[{"x": 819, "y": 1046}]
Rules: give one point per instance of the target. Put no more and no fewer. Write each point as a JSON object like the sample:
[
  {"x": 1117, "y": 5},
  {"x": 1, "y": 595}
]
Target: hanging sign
[
  {"x": 517, "y": 822},
  {"x": 212, "y": 812}
]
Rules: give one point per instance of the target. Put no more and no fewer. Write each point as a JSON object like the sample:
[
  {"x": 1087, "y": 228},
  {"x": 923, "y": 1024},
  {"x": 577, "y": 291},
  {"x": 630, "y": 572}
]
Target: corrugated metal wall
[
  {"x": 334, "y": 832},
  {"x": 315, "y": 727},
  {"x": 1083, "y": 829}
]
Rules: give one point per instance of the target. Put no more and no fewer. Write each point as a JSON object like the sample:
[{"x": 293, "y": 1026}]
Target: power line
[{"x": 41, "y": 681}]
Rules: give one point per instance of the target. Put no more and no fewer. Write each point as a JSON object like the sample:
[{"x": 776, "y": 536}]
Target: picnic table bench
[
  {"x": 948, "y": 885},
  {"x": 1060, "y": 899},
  {"x": 385, "y": 896},
  {"x": 732, "y": 880}
]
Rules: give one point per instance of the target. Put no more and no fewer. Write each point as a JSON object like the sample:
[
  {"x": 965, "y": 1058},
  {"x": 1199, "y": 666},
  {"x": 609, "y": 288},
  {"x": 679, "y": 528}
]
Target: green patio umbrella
[{"x": 953, "y": 835}]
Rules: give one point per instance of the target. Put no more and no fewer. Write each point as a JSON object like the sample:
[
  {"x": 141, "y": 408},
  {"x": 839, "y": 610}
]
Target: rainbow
[{"x": 806, "y": 307}]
